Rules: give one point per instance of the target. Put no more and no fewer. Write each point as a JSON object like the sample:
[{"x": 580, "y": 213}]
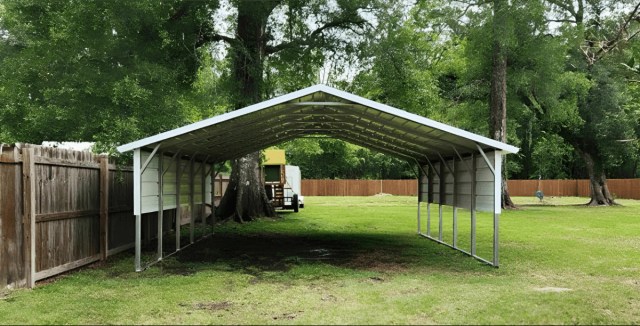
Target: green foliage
[
  {"x": 398, "y": 51},
  {"x": 551, "y": 156},
  {"x": 108, "y": 71},
  {"x": 321, "y": 158},
  {"x": 116, "y": 71}
]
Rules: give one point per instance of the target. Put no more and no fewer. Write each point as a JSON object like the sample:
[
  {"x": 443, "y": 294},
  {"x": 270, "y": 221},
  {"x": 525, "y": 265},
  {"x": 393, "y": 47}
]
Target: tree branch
[
  {"x": 213, "y": 37},
  {"x": 565, "y": 20},
  {"x": 344, "y": 23},
  {"x": 613, "y": 43},
  {"x": 564, "y": 5}
]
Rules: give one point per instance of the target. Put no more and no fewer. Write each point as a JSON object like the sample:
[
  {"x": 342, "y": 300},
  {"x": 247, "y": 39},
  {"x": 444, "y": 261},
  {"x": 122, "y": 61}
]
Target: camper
[{"x": 282, "y": 182}]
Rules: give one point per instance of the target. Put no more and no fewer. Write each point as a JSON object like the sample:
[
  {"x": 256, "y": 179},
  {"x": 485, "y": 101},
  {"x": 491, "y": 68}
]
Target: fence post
[
  {"x": 29, "y": 219},
  {"x": 104, "y": 206}
]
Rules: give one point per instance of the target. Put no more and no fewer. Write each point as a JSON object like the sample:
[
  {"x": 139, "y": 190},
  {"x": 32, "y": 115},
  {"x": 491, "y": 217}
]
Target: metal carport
[{"x": 456, "y": 167}]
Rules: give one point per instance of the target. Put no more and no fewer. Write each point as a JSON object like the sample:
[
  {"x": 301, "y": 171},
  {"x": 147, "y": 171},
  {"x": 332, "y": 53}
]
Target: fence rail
[{"x": 620, "y": 188}]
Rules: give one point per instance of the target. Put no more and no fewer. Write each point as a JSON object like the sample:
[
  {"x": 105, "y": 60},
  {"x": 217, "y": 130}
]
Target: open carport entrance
[{"x": 173, "y": 170}]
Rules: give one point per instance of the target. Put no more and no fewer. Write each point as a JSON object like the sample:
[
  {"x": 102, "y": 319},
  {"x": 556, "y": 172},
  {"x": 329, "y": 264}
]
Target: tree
[
  {"x": 106, "y": 71},
  {"x": 498, "y": 93},
  {"x": 308, "y": 27},
  {"x": 599, "y": 34}
]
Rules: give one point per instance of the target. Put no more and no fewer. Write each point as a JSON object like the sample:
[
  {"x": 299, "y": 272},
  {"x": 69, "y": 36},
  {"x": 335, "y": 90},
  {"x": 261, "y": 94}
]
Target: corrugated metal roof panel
[{"x": 319, "y": 110}]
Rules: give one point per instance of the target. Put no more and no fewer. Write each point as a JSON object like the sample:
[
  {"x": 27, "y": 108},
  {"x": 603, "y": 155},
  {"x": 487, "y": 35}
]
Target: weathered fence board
[{"x": 11, "y": 247}]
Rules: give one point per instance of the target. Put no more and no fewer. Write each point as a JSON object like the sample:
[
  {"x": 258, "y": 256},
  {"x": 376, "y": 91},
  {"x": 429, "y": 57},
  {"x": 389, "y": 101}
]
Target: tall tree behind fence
[{"x": 620, "y": 188}]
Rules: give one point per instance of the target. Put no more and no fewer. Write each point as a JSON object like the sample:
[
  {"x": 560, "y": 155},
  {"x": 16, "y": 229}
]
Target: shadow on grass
[{"x": 257, "y": 253}]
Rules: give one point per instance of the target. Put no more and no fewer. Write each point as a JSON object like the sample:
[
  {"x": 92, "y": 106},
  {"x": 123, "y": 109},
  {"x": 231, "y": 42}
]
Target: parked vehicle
[{"x": 282, "y": 182}]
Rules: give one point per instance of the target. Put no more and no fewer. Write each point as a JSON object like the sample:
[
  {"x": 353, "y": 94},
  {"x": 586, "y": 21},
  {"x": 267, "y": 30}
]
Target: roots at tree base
[{"x": 245, "y": 198}]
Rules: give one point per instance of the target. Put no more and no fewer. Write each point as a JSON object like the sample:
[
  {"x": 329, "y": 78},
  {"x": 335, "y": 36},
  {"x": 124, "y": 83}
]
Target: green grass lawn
[{"x": 358, "y": 260}]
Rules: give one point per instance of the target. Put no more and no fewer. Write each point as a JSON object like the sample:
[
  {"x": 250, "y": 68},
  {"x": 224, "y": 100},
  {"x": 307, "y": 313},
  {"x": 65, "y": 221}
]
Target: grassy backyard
[{"x": 357, "y": 260}]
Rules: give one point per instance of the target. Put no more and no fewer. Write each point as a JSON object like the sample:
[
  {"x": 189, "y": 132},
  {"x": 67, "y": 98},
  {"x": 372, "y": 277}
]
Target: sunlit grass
[{"x": 358, "y": 260}]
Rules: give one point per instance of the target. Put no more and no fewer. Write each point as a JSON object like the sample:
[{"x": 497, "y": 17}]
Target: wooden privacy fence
[
  {"x": 59, "y": 209},
  {"x": 620, "y": 188},
  {"x": 62, "y": 209},
  {"x": 314, "y": 187}
]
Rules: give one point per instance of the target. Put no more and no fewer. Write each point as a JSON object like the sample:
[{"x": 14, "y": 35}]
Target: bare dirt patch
[
  {"x": 214, "y": 306},
  {"x": 256, "y": 253},
  {"x": 211, "y": 306},
  {"x": 288, "y": 315}
]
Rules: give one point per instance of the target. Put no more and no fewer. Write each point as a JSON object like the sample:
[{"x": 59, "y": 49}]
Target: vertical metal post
[
  {"x": 473, "y": 204},
  {"x": 178, "y": 207},
  {"x": 203, "y": 208},
  {"x": 160, "y": 204},
  {"x": 137, "y": 205},
  {"x": 419, "y": 198},
  {"x": 429, "y": 219},
  {"x": 192, "y": 207},
  {"x": 455, "y": 207},
  {"x": 429, "y": 198},
  {"x": 213, "y": 196},
  {"x": 138, "y": 242},
  {"x": 419, "y": 227},
  {"x": 440, "y": 221},
  {"x": 496, "y": 248},
  {"x": 442, "y": 199},
  {"x": 497, "y": 179}
]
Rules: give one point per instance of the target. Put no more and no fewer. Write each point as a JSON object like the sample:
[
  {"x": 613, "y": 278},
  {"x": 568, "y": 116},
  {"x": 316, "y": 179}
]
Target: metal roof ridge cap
[
  {"x": 439, "y": 125},
  {"x": 218, "y": 118}
]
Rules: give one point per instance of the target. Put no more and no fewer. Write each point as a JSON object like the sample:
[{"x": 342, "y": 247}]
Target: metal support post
[
  {"x": 203, "y": 209},
  {"x": 497, "y": 205},
  {"x": 192, "y": 207},
  {"x": 440, "y": 222},
  {"x": 429, "y": 219},
  {"x": 473, "y": 204},
  {"x": 419, "y": 227},
  {"x": 496, "y": 249},
  {"x": 179, "y": 170},
  {"x": 442, "y": 200},
  {"x": 160, "y": 204},
  {"x": 455, "y": 208},
  {"x": 138, "y": 244}
]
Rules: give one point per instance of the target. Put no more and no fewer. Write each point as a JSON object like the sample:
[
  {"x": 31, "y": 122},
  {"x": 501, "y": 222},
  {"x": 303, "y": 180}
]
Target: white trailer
[{"x": 293, "y": 186}]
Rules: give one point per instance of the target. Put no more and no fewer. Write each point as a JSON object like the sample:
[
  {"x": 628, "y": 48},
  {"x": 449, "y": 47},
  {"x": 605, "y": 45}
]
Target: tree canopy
[{"x": 115, "y": 71}]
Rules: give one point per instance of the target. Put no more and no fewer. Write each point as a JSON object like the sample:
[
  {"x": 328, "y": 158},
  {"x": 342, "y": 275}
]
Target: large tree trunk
[
  {"x": 498, "y": 96},
  {"x": 600, "y": 195},
  {"x": 245, "y": 197}
]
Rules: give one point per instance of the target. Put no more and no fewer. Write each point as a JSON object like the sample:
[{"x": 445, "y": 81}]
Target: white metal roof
[{"x": 319, "y": 110}]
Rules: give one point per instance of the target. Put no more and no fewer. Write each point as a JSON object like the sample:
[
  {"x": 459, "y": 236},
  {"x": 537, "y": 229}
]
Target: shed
[{"x": 456, "y": 167}]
